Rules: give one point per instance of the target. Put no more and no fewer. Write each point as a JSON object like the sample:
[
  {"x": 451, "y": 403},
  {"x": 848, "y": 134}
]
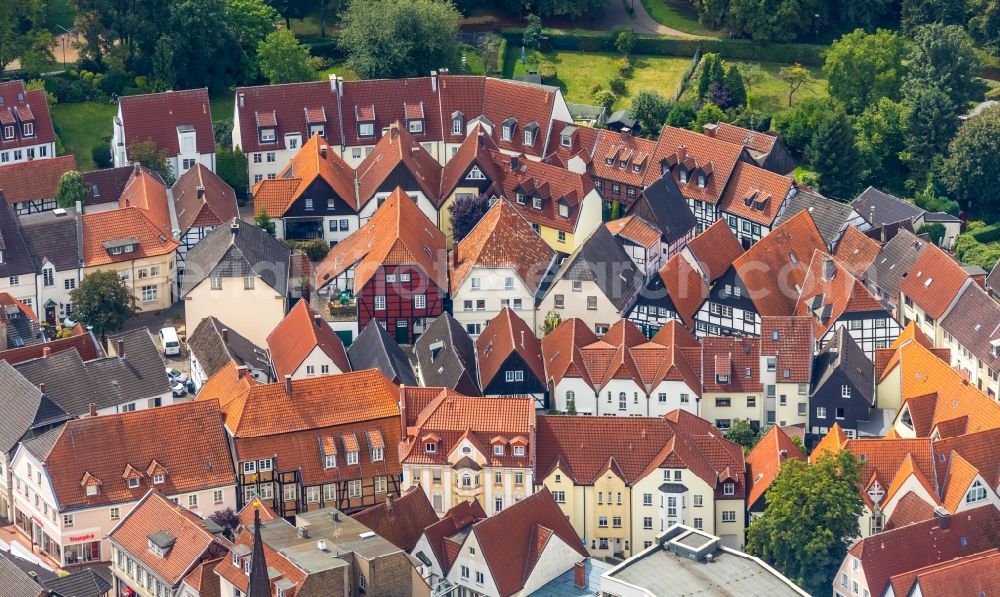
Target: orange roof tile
[
  {"x": 636, "y": 230},
  {"x": 121, "y": 224},
  {"x": 755, "y": 140},
  {"x": 315, "y": 160},
  {"x": 734, "y": 357},
  {"x": 552, "y": 183},
  {"x": 399, "y": 233},
  {"x": 715, "y": 249},
  {"x": 474, "y": 150},
  {"x": 856, "y": 251},
  {"x": 502, "y": 238},
  {"x": 698, "y": 152},
  {"x": 398, "y": 147},
  {"x": 201, "y": 198},
  {"x": 907, "y": 470},
  {"x": 146, "y": 191},
  {"x": 755, "y": 194},
  {"x": 300, "y": 333},
  {"x": 934, "y": 281},
  {"x": 765, "y": 460},
  {"x": 561, "y": 350},
  {"x": 626, "y": 153},
  {"x": 957, "y": 481},
  {"x": 774, "y": 269},
  {"x": 285, "y": 566},
  {"x": 829, "y": 291},
  {"x": 791, "y": 340},
  {"x": 685, "y": 286},
  {"x": 274, "y": 195},
  {"x": 34, "y": 180},
  {"x": 964, "y": 575},
  {"x": 504, "y": 335},
  {"x": 909, "y": 509}
]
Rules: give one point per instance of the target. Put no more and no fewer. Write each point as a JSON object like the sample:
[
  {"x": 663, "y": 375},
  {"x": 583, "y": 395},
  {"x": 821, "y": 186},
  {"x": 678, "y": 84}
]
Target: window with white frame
[
  {"x": 352, "y": 458},
  {"x": 728, "y": 488},
  {"x": 380, "y": 484},
  {"x": 518, "y": 450},
  {"x": 976, "y": 493},
  {"x": 380, "y": 302},
  {"x": 420, "y": 301},
  {"x": 354, "y": 489}
]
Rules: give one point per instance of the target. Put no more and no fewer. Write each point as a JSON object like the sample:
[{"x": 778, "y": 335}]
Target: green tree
[
  {"x": 625, "y": 41},
  {"x": 250, "y": 21},
  {"x": 930, "y": 199},
  {"x": 944, "y": 58},
  {"x": 774, "y": 21},
  {"x": 282, "y": 59},
  {"x": 102, "y": 300},
  {"x": 832, "y": 153},
  {"x": 709, "y": 114},
  {"x": 231, "y": 166},
  {"x": 650, "y": 110},
  {"x": 862, "y": 13},
  {"x": 205, "y": 52},
  {"x": 146, "y": 153},
  {"x": 292, "y": 9},
  {"x": 399, "y": 38},
  {"x": 551, "y": 322},
  {"x": 164, "y": 71},
  {"x": 681, "y": 114},
  {"x": 712, "y": 13},
  {"x": 798, "y": 125},
  {"x": 263, "y": 221},
  {"x": 616, "y": 210},
  {"x": 881, "y": 141},
  {"x": 984, "y": 23},
  {"x": 122, "y": 33},
  {"x": 796, "y": 76},
  {"x": 971, "y": 170},
  {"x": 70, "y": 189},
  {"x": 934, "y": 231},
  {"x": 737, "y": 88},
  {"x": 914, "y": 13},
  {"x": 711, "y": 72},
  {"x": 930, "y": 125},
  {"x": 532, "y": 31},
  {"x": 605, "y": 98},
  {"x": 743, "y": 434},
  {"x": 861, "y": 68},
  {"x": 810, "y": 519},
  {"x": 23, "y": 35}
]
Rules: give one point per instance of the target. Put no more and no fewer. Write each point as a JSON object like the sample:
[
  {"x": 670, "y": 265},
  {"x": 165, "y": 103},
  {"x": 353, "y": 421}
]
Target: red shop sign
[{"x": 76, "y": 538}]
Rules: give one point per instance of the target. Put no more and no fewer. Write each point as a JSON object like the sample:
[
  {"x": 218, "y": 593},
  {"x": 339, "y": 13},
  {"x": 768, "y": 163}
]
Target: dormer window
[
  {"x": 637, "y": 168},
  {"x": 366, "y": 129},
  {"x": 623, "y": 164},
  {"x": 529, "y": 137},
  {"x": 160, "y": 543},
  {"x": 158, "y": 479},
  {"x": 498, "y": 450},
  {"x": 267, "y": 135},
  {"x": 507, "y": 129},
  {"x": 563, "y": 210},
  {"x": 330, "y": 461},
  {"x": 133, "y": 482},
  {"x": 521, "y": 200},
  {"x": 352, "y": 458},
  {"x": 430, "y": 447},
  {"x": 722, "y": 378},
  {"x": 536, "y": 202},
  {"x": 684, "y": 176},
  {"x": 701, "y": 181},
  {"x": 8, "y": 132},
  {"x": 728, "y": 488},
  {"x": 416, "y": 126},
  {"x": 377, "y": 454},
  {"x": 976, "y": 493},
  {"x": 91, "y": 490},
  {"x": 28, "y": 128},
  {"x": 317, "y": 129},
  {"x": 565, "y": 140},
  {"x": 456, "y": 126},
  {"x": 518, "y": 450},
  {"x": 609, "y": 161}
]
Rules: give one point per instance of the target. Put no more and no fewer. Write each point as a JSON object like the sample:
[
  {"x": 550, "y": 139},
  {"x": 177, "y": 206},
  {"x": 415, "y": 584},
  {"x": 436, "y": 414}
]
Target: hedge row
[
  {"x": 729, "y": 49},
  {"x": 986, "y": 234}
]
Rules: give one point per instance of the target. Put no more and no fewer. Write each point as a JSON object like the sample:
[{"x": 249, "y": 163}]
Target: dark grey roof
[
  {"x": 600, "y": 259},
  {"x": 446, "y": 354},
  {"x": 40, "y": 445},
  {"x": 54, "y": 238},
  {"x": 843, "y": 353},
  {"x": 213, "y": 352},
  {"x": 23, "y": 407},
  {"x": 374, "y": 348},
  {"x": 622, "y": 117},
  {"x": 887, "y": 208},
  {"x": 993, "y": 280},
  {"x": 107, "y": 185},
  {"x": 73, "y": 384},
  {"x": 895, "y": 259},
  {"x": 940, "y": 217},
  {"x": 974, "y": 270},
  {"x": 20, "y": 329},
  {"x": 162, "y": 539},
  {"x": 15, "y": 582},
  {"x": 829, "y": 215},
  {"x": 39, "y": 572},
  {"x": 974, "y": 322},
  {"x": 85, "y": 583},
  {"x": 17, "y": 259},
  {"x": 237, "y": 249},
  {"x": 671, "y": 212}
]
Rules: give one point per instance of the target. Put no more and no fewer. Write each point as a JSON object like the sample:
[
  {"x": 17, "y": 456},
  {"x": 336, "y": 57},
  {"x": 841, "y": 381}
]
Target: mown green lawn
[
  {"x": 222, "y": 104},
  {"x": 81, "y": 127},
  {"x": 678, "y": 14},
  {"x": 339, "y": 68},
  {"x": 579, "y": 72},
  {"x": 772, "y": 93}
]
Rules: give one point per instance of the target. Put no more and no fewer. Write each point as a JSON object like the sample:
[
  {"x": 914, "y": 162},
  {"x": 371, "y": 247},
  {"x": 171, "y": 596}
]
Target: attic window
[
  {"x": 722, "y": 378},
  {"x": 684, "y": 176},
  {"x": 623, "y": 163},
  {"x": 267, "y": 136},
  {"x": 507, "y": 133},
  {"x": 928, "y": 281},
  {"x": 566, "y": 141},
  {"x": 536, "y": 202},
  {"x": 430, "y": 447},
  {"x": 774, "y": 335},
  {"x": 563, "y": 210},
  {"x": 456, "y": 126},
  {"x": 366, "y": 129},
  {"x": 529, "y": 137},
  {"x": 976, "y": 493},
  {"x": 610, "y": 161},
  {"x": 637, "y": 167},
  {"x": 416, "y": 126},
  {"x": 91, "y": 490},
  {"x": 701, "y": 181}
]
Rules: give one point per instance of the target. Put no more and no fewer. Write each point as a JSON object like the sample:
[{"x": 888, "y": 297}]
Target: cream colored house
[
  {"x": 732, "y": 387},
  {"x": 237, "y": 273}
]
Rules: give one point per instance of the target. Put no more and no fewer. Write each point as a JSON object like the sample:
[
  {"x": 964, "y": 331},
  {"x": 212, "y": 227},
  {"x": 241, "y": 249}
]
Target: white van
[{"x": 171, "y": 345}]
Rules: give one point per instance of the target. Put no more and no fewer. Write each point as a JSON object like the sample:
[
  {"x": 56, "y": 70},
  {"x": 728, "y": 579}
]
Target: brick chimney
[
  {"x": 318, "y": 319},
  {"x": 288, "y": 385},
  {"x": 41, "y": 387},
  {"x": 92, "y": 409},
  {"x": 225, "y": 335},
  {"x": 46, "y": 351},
  {"x": 580, "y": 575},
  {"x": 201, "y": 192},
  {"x": 120, "y": 348},
  {"x": 709, "y": 130}
]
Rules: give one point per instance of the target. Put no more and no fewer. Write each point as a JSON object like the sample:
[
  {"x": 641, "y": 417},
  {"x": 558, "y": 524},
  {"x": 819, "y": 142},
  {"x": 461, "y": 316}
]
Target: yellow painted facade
[{"x": 159, "y": 272}]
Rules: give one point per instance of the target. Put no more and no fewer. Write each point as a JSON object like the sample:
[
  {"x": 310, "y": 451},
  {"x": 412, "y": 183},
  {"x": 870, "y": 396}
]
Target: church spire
[{"x": 259, "y": 585}]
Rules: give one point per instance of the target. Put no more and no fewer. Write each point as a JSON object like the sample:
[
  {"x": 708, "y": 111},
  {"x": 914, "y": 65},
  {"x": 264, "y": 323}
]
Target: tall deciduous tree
[
  {"x": 124, "y": 32},
  {"x": 833, "y": 154},
  {"x": 102, "y": 300},
  {"x": 465, "y": 212},
  {"x": 23, "y": 35},
  {"x": 743, "y": 434},
  {"x": 532, "y": 31},
  {"x": 797, "y": 126},
  {"x": 231, "y": 166},
  {"x": 282, "y": 59},
  {"x": 70, "y": 189},
  {"x": 250, "y": 21},
  {"x": 709, "y": 114},
  {"x": 146, "y": 153},
  {"x": 796, "y": 76},
  {"x": 944, "y": 58},
  {"x": 861, "y": 68},
  {"x": 399, "y": 38},
  {"x": 914, "y": 13},
  {"x": 881, "y": 140},
  {"x": 205, "y": 51},
  {"x": 650, "y": 110},
  {"x": 775, "y": 21},
  {"x": 971, "y": 172},
  {"x": 263, "y": 221},
  {"x": 810, "y": 519}
]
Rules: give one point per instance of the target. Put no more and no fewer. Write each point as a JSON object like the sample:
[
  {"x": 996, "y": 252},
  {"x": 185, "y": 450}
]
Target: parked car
[
  {"x": 171, "y": 344},
  {"x": 177, "y": 389},
  {"x": 176, "y": 375}
]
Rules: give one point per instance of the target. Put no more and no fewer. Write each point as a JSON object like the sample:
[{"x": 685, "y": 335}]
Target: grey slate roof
[
  {"x": 23, "y": 407},
  {"x": 374, "y": 348},
  {"x": 20, "y": 329},
  {"x": 993, "y": 280},
  {"x": 974, "y": 322},
  {"x": 73, "y": 383},
  {"x": 237, "y": 249},
  {"x": 600, "y": 259},
  {"x": 212, "y": 352},
  {"x": 843, "y": 353},
  {"x": 17, "y": 259},
  {"x": 15, "y": 582},
  {"x": 85, "y": 583},
  {"x": 107, "y": 185},
  {"x": 829, "y": 215},
  {"x": 621, "y": 117},
  {"x": 895, "y": 259},
  {"x": 940, "y": 217},
  {"x": 887, "y": 208},
  {"x": 446, "y": 356},
  {"x": 671, "y": 212},
  {"x": 55, "y": 238},
  {"x": 40, "y": 445},
  {"x": 40, "y": 572}
]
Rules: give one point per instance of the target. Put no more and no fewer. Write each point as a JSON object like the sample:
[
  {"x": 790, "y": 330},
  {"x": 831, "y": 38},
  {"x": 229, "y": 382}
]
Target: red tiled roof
[
  {"x": 296, "y": 337},
  {"x": 187, "y": 439},
  {"x": 757, "y": 141},
  {"x": 765, "y": 460},
  {"x": 934, "y": 281},
  {"x": 81, "y": 341},
  {"x": 909, "y": 509},
  {"x": 400, "y": 521},
  {"x": 512, "y": 541},
  {"x": 732, "y": 356},
  {"x": 793, "y": 347},
  {"x": 452, "y": 416},
  {"x": 246, "y": 513},
  {"x": 201, "y": 198},
  {"x": 288, "y": 106},
  {"x": 824, "y": 298},
  {"x": 315, "y": 160},
  {"x": 414, "y": 399},
  {"x": 551, "y": 183},
  {"x": 966, "y": 575},
  {"x": 774, "y": 269},
  {"x": 685, "y": 286},
  {"x": 119, "y": 224},
  {"x": 502, "y": 238},
  {"x": 385, "y": 102},
  {"x": 285, "y": 566},
  {"x": 626, "y": 153},
  {"x": 146, "y": 191},
  {"x": 154, "y": 514},
  {"x": 715, "y": 249},
  {"x": 156, "y": 116},
  {"x": 697, "y": 152},
  {"x": 755, "y": 194},
  {"x": 439, "y": 534},
  {"x": 523, "y": 102},
  {"x": 583, "y": 142},
  {"x": 636, "y": 230},
  {"x": 882, "y": 459},
  {"x": 399, "y": 233},
  {"x": 475, "y": 150},
  {"x": 856, "y": 251},
  {"x": 504, "y": 335},
  {"x": 27, "y": 106},
  {"x": 977, "y": 449},
  {"x": 34, "y": 180},
  {"x": 561, "y": 351},
  {"x": 398, "y": 147}
]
